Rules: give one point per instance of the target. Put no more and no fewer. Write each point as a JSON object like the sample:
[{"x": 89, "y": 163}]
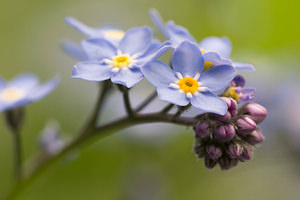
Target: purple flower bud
[
  {"x": 234, "y": 150},
  {"x": 247, "y": 153},
  {"x": 256, "y": 111},
  {"x": 201, "y": 130},
  {"x": 209, "y": 163},
  {"x": 245, "y": 125},
  {"x": 213, "y": 152},
  {"x": 225, "y": 133},
  {"x": 227, "y": 163},
  {"x": 231, "y": 112},
  {"x": 255, "y": 137},
  {"x": 238, "y": 81}
]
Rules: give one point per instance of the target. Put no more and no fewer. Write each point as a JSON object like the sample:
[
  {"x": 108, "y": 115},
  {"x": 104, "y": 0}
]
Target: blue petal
[
  {"x": 74, "y": 50},
  {"x": 209, "y": 102},
  {"x": 24, "y": 82},
  {"x": 136, "y": 41},
  {"x": 2, "y": 83},
  {"x": 43, "y": 90},
  {"x": 173, "y": 96},
  {"x": 187, "y": 59},
  {"x": 8, "y": 106},
  {"x": 154, "y": 54},
  {"x": 127, "y": 77},
  {"x": 216, "y": 59},
  {"x": 220, "y": 45},
  {"x": 86, "y": 30},
  {"x": 98, "y": 48},
  {"x": 217, "y": 77},
  {"x": 91, "y": 71},
  {"x": 158, "y": 22},
  {"x": 178, "y": 34},
  {"x": 154, "y": 46},
  {"x": 158, "y": 74},
  {"x": 243, "y": 66}
]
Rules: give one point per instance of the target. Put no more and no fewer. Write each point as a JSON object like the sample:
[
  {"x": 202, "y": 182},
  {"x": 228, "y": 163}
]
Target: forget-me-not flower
[
  {"x": 218, "y": 48},
  {"x": 22, "y": 90},
  {"x": 237, "y": 91},
  {"x": 185, "y": 83},
  {"x": 119, "y": 63}
]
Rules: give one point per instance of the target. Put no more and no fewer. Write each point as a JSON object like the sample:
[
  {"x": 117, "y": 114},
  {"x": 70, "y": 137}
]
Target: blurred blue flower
[
  {"x": 237, "y": 91},
  {"x": 219, "y": 48},
  {"x": 185, "y": 84},
  {"x": 22, "y": 90},
  {"x": 119, "y": 63}
]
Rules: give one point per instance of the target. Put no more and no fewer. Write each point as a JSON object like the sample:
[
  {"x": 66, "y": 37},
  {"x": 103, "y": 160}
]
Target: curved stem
[
  {"x": 148, "y": 100},
  {"x": 127, "y": 104}
]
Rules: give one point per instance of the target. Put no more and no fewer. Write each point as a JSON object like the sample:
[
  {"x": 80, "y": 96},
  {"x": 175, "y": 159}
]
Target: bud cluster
[{"x": 230, "y": 138}]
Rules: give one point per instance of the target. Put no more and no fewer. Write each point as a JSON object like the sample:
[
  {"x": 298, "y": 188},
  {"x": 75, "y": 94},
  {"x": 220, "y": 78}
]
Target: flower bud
[
  {"x": 245, "y": 125},
  {"x": 225, "y": 133},
  {"x": 255, "y": 137},
  {"x": 213, "y": 152},
  {"x": 234, "y": 150},
  {"x": 14, "y": 118},
  {"x": 256, "y": 111},
  {"x": 209, "y": 163},
  {"x": 247, "y": 153},
  {"x": 227, "y": 163},
  {"x": 201, "y": 130},
  {"x": 231, "y": 112}
]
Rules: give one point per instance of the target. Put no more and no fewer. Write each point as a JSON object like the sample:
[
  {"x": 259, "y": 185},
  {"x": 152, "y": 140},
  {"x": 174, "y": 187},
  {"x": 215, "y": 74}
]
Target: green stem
[
  {"x": 145, "y": 103},
  {"x": 17, "y": 155}
]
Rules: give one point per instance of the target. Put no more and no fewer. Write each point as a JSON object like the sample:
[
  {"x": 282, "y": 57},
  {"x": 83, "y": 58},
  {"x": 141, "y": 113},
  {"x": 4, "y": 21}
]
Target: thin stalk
[
  {"x": 167, "y": 108},
  {"x": 16, "y": 138}
]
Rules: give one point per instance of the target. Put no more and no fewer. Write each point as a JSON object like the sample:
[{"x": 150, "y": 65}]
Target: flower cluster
[
  {"x": 199, "y": 74},
  {"x": 227, "y": 139}
]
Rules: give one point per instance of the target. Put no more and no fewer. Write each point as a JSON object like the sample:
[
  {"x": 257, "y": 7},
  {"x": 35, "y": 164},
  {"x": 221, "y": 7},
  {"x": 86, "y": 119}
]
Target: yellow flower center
[
  {"x": 11, "y": 94},
  {"x": 188, "y": 85},
  {"x": 114, "y": 34},
  {"x": 230, "y": 92},
  {"x": 207, "y": 65},
  {"x": 202, "y": 50},
  {"x": 121, "y": 61}
]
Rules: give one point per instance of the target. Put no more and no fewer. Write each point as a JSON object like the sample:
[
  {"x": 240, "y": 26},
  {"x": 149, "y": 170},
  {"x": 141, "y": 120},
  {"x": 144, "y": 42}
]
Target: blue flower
[
  {"x": 216, "y": 45},
  {"x": 109, "y": 32},
  {"x": 119, "y": 63},
  {"x": 237, "y": 91},
  {"x": 22, "y": 90},
  {"x": 185, "y": 83}
]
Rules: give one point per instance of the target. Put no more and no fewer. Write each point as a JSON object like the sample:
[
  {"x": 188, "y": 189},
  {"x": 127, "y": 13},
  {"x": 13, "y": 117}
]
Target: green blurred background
[{"x": 132, "y": 165}]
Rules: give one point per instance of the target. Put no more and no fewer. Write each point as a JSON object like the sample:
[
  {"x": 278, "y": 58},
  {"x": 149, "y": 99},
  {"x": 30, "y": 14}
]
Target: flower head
[
  {"x": 237, "y": 91},
  {"x": 218, "y": 48},
  {"x": 121, "y": 64},
  {"x": 186, "y": 83},
  {"x": 22, "y": 90}
]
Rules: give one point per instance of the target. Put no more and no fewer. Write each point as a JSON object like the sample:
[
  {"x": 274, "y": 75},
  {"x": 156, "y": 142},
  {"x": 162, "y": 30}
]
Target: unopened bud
[
  {"x": 234, "y": 150},
  {"x": 225, "y": 133},
  {"x": 227, "y": 163},
  {"x": 199, "y": 149},
  {"x": 202, "y": 130},
  {"x": 255, "y": 137},
  {"x": 247, "y": 152},
  {"x": 245, "y": 125},
  {"x": 231, "y": 112},
  {"x": 256, "y": 111},
  {"x": 213, "y": 152},
  {"x": 209, "y": 163}
]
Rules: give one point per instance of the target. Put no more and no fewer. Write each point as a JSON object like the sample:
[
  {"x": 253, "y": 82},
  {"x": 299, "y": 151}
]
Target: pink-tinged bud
[
  {"x": 256, "y": 111},
  {"x": 231, "y": 112},
  {"x": 233, "y": 109},
  {"x": 227, "y": 163},
  {"x": 247, "y": 153},
  {"x": 255, "y": 137},
  {"x": 225, "y": 133},
  {"x": 245, "y": 125},
  {"x": 234, "y": 150},
  {"x": 213, "y": 152},
  {"x": 202, "y": 130},
  {"x": 209, "y": 163}
]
